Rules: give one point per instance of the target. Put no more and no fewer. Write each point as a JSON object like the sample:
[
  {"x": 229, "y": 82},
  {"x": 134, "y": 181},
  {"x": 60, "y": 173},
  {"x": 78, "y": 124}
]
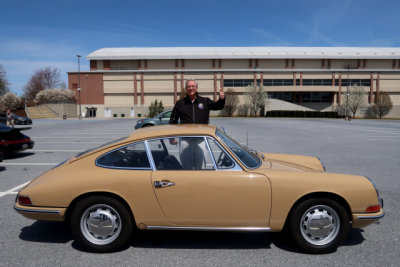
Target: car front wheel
[
  {"x": 101, "y": 224},
  {"x": 319, "y": 225}
]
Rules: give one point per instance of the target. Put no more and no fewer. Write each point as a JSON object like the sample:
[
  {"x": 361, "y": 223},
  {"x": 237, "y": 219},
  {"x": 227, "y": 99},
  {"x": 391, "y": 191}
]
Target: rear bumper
[
  {"x": 363, "y": 219},
  {"x": 41, "y": 213},
  {"x": 18, "y": 147}
]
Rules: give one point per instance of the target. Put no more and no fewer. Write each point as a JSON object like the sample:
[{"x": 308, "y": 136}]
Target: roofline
[
  {"x": 227, "y": 71},
  {"x": 137, "y": 53}
]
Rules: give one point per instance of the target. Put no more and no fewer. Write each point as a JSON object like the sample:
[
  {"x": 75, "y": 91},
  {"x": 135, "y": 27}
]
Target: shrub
[{"x": 155, "y": 108}]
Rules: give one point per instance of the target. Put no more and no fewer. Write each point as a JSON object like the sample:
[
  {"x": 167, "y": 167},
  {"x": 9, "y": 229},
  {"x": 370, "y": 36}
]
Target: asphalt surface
[{"x": 363, "y": 147}]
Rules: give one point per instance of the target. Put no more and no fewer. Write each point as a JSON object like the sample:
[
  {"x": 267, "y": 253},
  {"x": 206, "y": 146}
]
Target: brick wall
[{"x": 92, "y": 90}]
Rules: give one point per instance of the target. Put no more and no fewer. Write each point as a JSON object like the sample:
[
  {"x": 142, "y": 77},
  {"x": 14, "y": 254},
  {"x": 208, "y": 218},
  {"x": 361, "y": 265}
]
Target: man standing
[{"x": 194, "y": 108}]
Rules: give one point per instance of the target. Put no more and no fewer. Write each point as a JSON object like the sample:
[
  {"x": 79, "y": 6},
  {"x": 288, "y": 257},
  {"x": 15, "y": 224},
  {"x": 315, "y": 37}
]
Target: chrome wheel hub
[
  {"x": 100, "y": 224},
  {"x": 320, "y": 224}
]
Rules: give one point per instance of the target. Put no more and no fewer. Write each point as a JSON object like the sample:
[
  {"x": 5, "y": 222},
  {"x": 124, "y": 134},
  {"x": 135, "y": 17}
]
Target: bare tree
[
  {"x": 243, "y": 110},
  {"x": 356, "y": 98},
  {"x": 231, "y": 103},
  {"x": 4, "y": 84},
  {"x": 46, "y": 78},
  {"x": 382, "y": 105},
  {"x": 256, "y": 97}
]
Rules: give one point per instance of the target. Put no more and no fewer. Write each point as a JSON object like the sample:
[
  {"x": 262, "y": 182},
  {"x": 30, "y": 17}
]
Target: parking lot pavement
[{"x": 362, "y": 147}]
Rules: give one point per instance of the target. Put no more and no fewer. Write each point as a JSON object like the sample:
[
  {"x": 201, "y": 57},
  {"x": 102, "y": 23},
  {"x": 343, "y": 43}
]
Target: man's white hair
[{"x": 186, "y": 82}]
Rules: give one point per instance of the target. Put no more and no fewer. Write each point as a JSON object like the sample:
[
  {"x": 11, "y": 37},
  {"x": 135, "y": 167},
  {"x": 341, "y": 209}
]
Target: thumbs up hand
[{"x": 221, "y": 93}]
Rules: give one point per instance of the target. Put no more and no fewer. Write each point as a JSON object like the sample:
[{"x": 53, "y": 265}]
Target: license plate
[{"x": 25, "y": 146}]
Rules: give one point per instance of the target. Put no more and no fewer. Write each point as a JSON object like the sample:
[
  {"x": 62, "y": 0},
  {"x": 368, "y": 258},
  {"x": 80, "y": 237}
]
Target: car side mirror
[{"x": 160, "y": 118}]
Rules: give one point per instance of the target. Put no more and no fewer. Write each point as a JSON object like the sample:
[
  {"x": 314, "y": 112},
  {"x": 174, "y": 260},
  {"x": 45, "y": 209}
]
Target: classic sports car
[
  {"x": 195, "y": 177},
  {"x": 12, "y": 140},
  {"x": 159, "y": 119}
]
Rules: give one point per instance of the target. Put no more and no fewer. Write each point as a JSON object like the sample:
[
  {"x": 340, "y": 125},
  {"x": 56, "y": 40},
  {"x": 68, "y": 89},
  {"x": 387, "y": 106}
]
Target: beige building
[{"x": 126, "y": 80}]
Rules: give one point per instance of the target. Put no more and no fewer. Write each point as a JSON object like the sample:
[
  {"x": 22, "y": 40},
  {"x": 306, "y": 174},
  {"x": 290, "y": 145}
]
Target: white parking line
[
  {"x": 12, "y": 190},
  {"x": 54, "y": 150},
  {"x": 66, "y": 137},
  {"x": 75, "y": 142},
  {"x": 27, "y": 164},
  {"x": 377, "y": 139},
  {"x": 75, "y": 133}
]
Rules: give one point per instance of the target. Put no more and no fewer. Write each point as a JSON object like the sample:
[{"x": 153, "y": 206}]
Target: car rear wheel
[
  {"x": 319, "y": 225},
  {"x": 101, "y": 224}
]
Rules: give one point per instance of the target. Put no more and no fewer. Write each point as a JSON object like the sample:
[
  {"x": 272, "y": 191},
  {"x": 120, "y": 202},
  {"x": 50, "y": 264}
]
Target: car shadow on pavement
[
  {"x": 355, "y": 237},
  {"x": 46, "y": 232},
  {"x": 18, "y": 155},
  {"x": 203, "y": 240}
]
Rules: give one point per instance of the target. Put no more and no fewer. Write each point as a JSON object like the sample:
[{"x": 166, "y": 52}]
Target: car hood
[{"x": 287, "y": 162}]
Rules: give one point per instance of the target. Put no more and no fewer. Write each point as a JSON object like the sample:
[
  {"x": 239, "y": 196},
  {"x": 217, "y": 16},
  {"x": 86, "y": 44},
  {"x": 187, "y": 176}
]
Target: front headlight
[{"x": 140, "y": 122}]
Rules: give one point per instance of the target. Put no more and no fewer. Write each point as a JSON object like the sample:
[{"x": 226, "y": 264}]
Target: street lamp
[
  {"x": 79, "y": 85},
  {"x": 347, "y": 94}
]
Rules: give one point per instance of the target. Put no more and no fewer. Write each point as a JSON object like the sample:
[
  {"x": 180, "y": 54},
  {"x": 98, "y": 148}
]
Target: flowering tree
[
  {"x": 54, "y": 96},
  {"x": 10, "y": 101}
]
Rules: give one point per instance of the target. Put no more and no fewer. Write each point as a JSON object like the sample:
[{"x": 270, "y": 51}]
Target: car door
[{"x": 207, "y": 195}]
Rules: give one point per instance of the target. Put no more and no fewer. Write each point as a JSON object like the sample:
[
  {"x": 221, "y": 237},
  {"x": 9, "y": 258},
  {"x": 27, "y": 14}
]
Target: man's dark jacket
[{"x": 196, "y": 112}]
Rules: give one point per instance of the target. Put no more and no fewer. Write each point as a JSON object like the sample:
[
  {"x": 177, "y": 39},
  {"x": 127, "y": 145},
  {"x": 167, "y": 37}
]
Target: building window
[
  {"x": 350, "y": 82},
  {"x": 284, "y": 82},
  {"x": 302, "y": 97}
]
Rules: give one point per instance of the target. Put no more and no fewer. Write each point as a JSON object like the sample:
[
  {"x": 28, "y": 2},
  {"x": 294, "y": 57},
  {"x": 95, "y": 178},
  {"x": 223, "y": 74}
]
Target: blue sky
[{"x": 41, "y": 33}]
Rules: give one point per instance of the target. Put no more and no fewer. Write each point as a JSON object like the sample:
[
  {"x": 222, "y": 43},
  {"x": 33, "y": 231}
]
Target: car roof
[{"x": 172, "y": 129}]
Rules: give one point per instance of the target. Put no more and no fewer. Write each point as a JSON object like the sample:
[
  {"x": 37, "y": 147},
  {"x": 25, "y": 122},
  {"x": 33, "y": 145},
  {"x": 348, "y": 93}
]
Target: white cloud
[{"x": 269, "y": 37}]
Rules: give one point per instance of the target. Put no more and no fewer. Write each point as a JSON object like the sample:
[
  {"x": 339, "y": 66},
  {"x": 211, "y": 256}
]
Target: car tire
[
  {"x": 101, "y": 224},
  {"x": 319, "y": 225}
]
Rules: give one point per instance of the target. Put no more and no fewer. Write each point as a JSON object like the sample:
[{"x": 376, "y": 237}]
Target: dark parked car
[
  {"x": 18, "y": 120},
  {"x": 159, "y": 119},
  {"x": 12, "y": 140}
]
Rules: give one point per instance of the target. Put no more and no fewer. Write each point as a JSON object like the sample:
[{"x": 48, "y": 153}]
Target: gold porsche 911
[{"x": 195, "y": 177}]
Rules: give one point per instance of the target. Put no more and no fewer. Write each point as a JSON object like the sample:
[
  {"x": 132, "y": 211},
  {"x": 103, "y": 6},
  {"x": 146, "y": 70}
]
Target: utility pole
[{"x": 79, "y": 85}]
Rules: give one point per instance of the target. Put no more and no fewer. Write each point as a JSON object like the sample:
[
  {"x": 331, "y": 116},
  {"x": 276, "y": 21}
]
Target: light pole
[
  {"x": 346, "y": 116},
  {"x": 79, "y": 85}
]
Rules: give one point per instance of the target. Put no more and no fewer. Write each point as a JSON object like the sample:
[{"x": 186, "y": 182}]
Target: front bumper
[{"x": 41, "y": 213}]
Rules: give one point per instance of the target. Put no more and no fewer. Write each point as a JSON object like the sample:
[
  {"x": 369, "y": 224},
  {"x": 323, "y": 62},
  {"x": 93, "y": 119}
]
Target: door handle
[{"x": 163, "y": 183}]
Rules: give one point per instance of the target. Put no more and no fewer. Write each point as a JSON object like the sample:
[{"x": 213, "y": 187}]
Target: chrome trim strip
[
  {"x": 210, "y": 152},
  {"x": 149, "y": 155},
  {"x": 367, "y": 217},
  {"x": 256, "y": 229},
  {"x": 38, "y": 211},
  {"x": 236, "y": 166}
]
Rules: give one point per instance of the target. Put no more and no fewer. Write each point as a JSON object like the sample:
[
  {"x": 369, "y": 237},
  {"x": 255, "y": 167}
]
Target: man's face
[{"x": 191, "y": 89}]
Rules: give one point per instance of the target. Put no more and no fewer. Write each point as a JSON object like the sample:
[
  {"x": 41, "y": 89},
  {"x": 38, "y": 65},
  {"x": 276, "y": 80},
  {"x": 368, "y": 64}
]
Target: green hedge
[{"x": 301, "y": 114}]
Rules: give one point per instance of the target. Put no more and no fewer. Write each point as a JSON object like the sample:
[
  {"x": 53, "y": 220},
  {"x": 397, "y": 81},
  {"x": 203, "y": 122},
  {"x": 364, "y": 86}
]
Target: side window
[
  {"x": 132, "y": 156},
  {"x": 181, "y": 153},
  {"x": 167, "y": 115},
  {"x": 222, "y": 160}
]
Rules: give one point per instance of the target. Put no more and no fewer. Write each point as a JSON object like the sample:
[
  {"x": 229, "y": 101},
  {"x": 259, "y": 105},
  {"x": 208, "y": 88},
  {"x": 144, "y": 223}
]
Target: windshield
[
  {"x": 98, "y": 147},
  {"x": 247, "y": 158}
]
